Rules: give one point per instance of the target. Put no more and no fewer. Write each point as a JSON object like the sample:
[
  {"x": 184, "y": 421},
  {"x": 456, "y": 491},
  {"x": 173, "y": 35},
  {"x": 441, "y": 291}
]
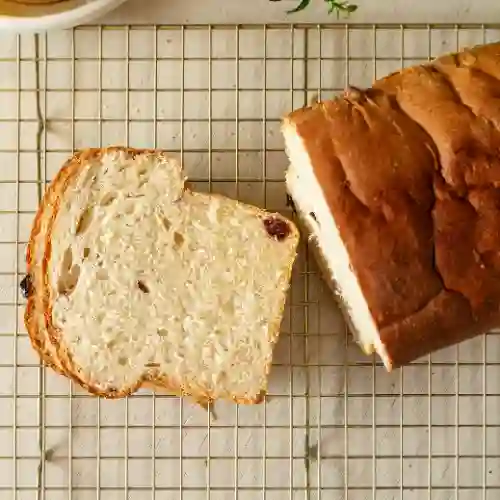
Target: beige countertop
[
  {"x": 265, "y": 11},
  {"x": 336, "y": 426}
]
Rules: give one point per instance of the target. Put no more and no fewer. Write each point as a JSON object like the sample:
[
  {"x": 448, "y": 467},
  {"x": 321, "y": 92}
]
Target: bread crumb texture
[{"x": 151, "y": 280}]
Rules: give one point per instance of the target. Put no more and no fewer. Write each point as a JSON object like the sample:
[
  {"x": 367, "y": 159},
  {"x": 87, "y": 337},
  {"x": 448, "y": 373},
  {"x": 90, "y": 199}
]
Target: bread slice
[
  {"x": 146, "y": 282},
  {"x": 33, "y": 281},
  {"x": 398, "y": 185}
]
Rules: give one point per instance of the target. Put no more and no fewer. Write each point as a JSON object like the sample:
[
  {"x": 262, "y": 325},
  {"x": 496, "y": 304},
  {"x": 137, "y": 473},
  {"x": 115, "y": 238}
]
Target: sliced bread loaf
[
  {"x": 398, "y": 184},
  {"x": 143, "y": 281}
]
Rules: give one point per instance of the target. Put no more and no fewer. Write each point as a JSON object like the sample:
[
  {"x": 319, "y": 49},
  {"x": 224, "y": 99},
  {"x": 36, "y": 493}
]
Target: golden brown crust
[
  {"x": 411, "y": 172},
  {"x": 152, "y": 380},
  {"x": 34, "y": 309}
]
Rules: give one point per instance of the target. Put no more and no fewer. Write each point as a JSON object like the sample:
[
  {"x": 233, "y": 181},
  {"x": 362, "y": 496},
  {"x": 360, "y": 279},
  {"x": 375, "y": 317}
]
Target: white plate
[{"x": 21, "y": 18}]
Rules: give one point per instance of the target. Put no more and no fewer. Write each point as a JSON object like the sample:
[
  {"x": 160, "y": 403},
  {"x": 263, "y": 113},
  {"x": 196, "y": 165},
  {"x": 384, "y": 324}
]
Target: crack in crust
[{"x": 410, "y": 169}]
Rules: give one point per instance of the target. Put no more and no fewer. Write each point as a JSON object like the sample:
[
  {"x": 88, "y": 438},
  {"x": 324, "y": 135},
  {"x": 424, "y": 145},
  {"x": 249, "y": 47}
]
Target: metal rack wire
[{"x": 335, "y": 426}]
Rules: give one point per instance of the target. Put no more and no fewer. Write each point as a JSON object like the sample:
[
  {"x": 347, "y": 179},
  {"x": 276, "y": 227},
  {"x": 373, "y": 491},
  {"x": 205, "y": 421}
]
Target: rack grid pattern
[{"x": 335, "y": 425}]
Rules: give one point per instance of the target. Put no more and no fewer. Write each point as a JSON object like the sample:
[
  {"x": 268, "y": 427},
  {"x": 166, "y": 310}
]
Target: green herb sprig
[{"x": 334, "y": 6}]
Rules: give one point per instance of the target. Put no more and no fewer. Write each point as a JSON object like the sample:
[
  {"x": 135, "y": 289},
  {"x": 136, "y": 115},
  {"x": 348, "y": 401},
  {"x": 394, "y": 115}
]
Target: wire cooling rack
[{"x": 335, "y": 425}]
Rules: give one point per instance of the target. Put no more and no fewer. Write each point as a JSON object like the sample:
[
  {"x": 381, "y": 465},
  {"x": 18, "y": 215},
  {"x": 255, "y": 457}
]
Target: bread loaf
[
  {"x": 135, "y": 280},
  {"x": 399, "y": 186}
]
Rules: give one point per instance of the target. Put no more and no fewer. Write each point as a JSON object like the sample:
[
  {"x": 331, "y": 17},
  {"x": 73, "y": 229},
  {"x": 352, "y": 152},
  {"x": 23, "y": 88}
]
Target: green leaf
[
  {"x": 340, "y": 6},
  {"x": 302, "y": 5},
  {"x": 336, "y": 6}
]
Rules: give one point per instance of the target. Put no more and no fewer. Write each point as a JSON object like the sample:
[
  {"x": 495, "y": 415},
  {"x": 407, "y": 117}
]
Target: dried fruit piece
[
  {"x": 26, "y": 286},
  {"x": 277, "y": 228}
]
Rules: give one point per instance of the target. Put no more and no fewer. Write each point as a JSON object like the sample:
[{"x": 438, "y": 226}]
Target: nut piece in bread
[
  {"x": 399, "y": 186},
  {"x": 147, "y": 283}
]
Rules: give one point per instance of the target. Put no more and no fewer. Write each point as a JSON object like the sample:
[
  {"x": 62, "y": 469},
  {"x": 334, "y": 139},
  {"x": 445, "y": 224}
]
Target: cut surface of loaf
[
  {"x": 145, "y": 281},
  {"x": 399, "y": 187}
]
